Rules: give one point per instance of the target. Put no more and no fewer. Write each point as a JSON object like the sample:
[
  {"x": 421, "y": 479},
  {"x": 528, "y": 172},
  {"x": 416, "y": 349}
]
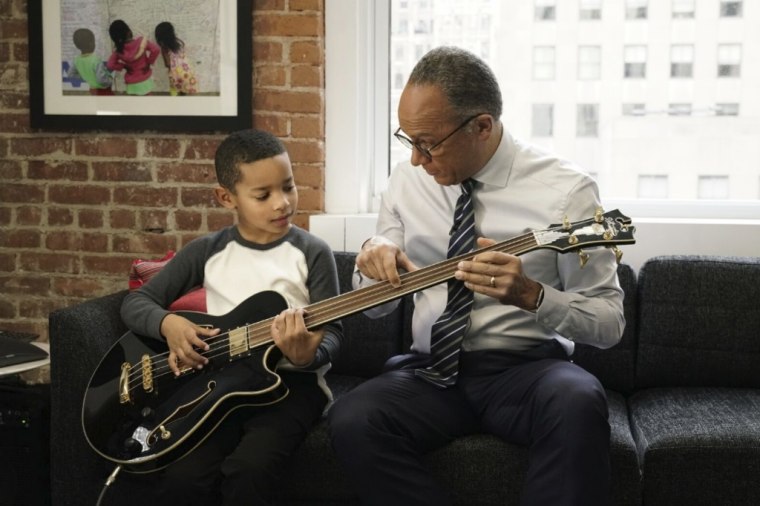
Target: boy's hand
[
  {"x": 184, "y": 340},
  {"x": 293, "y": 339}
]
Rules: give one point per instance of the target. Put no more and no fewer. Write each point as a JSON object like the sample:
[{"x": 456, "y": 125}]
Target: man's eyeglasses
[{"x": 422, "y": 147}]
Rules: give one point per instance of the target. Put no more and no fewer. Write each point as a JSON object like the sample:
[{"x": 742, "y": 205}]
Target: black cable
[{"x": 109, "y": 481}]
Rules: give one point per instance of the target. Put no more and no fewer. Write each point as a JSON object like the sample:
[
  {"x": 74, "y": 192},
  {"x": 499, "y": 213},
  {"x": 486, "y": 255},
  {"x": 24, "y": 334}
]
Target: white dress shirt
[{"x": 521, "y": 188}]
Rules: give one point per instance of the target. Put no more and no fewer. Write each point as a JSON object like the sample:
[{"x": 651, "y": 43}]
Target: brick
[
  {"x": 40, "y": 146},
  {"x": 20, "y": 51},
  {"x": 310, "y": 199},
  {"x": 79, "y": 286},
  {"x": 111, "y": 147},
  {"x": 269, "y": 75},
  {"x": 268, "y": 5},
  {"x": 29, "y": 216},
  {"x": 307, "y": 51},
  {"x": 16, "y": 283},
  {"x": 7, "y": 311},
  {"x": 186, "y": 173},
  {"x": 305, "y": 151},
  {"x": 10, "y": 100},
  {"x": 10, "y": 170},
  {"x": 145, "y": 196},
  {"x": 306, "y": 76},
  {"x": 76, "y": 241},
  {"x": 7, "y": 262},
  {"x": 90, "y": 218},
  {"x": 217, "y": 220},
  {"x": 5, "y": 215},
  {"x": 162, "y": 148},
  {"x": 309, "y": 127},
  {"x": 283, "y": 25},
  {"x": 36, "y": 307},
  {"x": 275, "y": 124},
  {"x": 142, "y": 243},
  {"x": 288, "y": 101},
  {"x": 14, "y": 123},
  {"x": 13, "y": 28},
  {"x": 21, "y": 192},
  {"x": 60, "y": 216},
  {"x": 5, "y": 52},
  {"x": 267, "y": 52},
  {"x": 305, "y": 5},
  {"x": 153, "y": 221},
  {"x": 122, "y": 218},
  {"x": 79, "y": 194},
  {"x": 21, "y": 238},
  {"x": 309, "y": 175},
  {"x": 301, "y": 220},
  {"x": 187, "y": 238},
  {"x": 49, "y": 262},
  {"x": 121, "y": 171},
  {"x": 108, "y": 264},
  {"x": 57, "y": 170},
  {"x": 201, "y": 149},
  {"x": 188, "y": 220},
  {"x": 193, "y": 197},
  {"x": 14, "y": 76}
]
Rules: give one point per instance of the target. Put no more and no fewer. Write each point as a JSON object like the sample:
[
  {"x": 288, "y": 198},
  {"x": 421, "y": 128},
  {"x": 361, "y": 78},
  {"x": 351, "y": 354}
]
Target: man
[{"x": 491, "y": 348}]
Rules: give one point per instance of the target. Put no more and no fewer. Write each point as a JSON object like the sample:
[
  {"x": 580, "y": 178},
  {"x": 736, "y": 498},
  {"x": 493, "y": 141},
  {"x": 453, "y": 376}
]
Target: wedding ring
[{"x": 493, "y": 282}]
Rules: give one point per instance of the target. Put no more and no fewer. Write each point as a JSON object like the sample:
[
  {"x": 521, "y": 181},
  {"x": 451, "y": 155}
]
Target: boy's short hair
[
  {"x": 84, "y": 40},
  {"x": 244, "y": 146}
]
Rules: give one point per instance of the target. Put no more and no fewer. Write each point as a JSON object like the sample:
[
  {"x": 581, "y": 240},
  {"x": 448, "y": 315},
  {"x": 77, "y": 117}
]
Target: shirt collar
[{"x": 497, "y": 170}]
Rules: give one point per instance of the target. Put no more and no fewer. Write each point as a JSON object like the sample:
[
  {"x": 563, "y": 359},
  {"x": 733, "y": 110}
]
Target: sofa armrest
[{"x": 80, "y": 335}]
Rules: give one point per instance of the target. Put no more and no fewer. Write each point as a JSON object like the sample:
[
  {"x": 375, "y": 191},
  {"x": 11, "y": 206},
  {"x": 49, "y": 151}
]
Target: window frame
[{"x": 348, "y": 118}]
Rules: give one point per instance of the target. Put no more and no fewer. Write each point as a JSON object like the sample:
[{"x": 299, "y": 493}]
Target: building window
[
  {"x": 712, "y": 187},
  {"x": 731, "y": 8},
  {"x": 589, "y": 62},
  {"x": 543, "y": 63},
  {"x": 636, "y": 9},
  {"x": 683, "y": 9},
  {"x": 634, "y": 109},
  {"x": 590, "y": 9},
  {"x": 681, "y": 60},
  {"x": 653, "y": 186},
  {"x": 587, "y": 121},
  {"x": 727, "y": 109},
  {"x": 546, "y": 10},
  {"x": 729, "y": 60},
  {"x": 543, "y": 120},
  {"x": 679, "y": 109},
  {"x": 635, "y": 62}
]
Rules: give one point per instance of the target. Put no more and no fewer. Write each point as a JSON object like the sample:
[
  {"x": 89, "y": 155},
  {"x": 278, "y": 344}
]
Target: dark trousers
[
  {"x": 242, "y": 461},
  {"x": 381, "y": 429}
]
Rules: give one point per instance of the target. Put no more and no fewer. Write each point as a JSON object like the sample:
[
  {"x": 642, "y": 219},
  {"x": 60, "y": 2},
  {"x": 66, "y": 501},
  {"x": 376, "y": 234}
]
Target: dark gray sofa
[{"x": 683, "y": 388}]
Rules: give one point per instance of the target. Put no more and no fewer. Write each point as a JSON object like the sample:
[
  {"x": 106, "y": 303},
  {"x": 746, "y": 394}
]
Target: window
[
  {"x": 543, "y": 63},
  {"x": 712, "y": 187},
  {"x": 590, "y": 9},
  {"x": 679, "y": 109},
  {"x": 635, "y": 62},
  {"x": 731, "y": 8},
  {"x": 543, "y": 120},
  {"x": 634, "y": 109},
  {"x": 730, "y": 109},
  {"x": 635, "y": 9},
  {"x": 653, "y": 186},
  {"x": 729, "y": 60},
  {"x": 625, "y": 133},
  {"x": 683, "y": 9},
  {"x": 589, "y": 62},
  {"x": 681, "y": 60},
  {"x": 545, "y": 10},
  {"x": 587, "y": 121}
]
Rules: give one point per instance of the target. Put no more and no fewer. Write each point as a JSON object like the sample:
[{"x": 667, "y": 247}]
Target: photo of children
[
  {"x": 181, "y": 77},
  {"x": 89, "y": 66},
  {"x": 184, "y": 32}
]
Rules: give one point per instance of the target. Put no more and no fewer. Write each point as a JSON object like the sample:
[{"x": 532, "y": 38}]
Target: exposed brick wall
[{"x": 76, "y": 209}]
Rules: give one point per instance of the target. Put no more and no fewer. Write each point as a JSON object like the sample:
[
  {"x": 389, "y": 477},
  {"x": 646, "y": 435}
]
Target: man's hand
[
  {"x": 290, "y": 335},
  {"x": 185, "y": 342},
  {"x": 499, "y": 275},
  {"x": 381, "y": 259}
]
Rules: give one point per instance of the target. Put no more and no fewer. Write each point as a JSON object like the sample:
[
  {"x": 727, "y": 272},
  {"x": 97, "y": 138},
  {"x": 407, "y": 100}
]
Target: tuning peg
[
  {"x": 599, "y": 215},
  {"x": 618, "y": 253},
  {"x": 583, "y": 257}
]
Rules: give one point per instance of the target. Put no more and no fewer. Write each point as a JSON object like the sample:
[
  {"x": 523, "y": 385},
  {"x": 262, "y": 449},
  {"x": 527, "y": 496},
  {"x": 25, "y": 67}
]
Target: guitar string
[
  {"x": 331, "y": 309},
  {"x": 220, "y": 347}
]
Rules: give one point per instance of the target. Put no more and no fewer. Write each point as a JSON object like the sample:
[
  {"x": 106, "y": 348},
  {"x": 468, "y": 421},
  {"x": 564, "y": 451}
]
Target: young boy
[
  {"x": 243, "y": 460},
  {"x": 88, "y": 66}
]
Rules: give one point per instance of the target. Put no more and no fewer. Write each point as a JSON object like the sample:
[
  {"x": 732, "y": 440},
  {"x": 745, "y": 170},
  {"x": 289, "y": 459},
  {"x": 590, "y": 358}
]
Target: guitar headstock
[{"x": 604, "y": 229}]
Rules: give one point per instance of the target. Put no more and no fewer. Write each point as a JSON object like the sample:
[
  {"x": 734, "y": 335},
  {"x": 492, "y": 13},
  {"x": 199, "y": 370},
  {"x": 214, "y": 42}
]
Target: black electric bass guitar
[{"x": 138, "y": 414}]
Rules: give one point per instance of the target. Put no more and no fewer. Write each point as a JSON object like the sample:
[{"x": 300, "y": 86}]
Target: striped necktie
[{"x": 447, "y": 332}]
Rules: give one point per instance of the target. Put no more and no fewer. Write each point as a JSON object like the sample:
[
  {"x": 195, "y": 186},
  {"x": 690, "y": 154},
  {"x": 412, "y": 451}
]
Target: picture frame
[{"x": 216, "y": 44}]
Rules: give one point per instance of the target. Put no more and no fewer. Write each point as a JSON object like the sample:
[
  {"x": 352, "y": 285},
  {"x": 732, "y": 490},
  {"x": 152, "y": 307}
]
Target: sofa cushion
[
  {"x": 698, "y": 446},
  {"x": 698, "y": 322},
  {"x": 615, "y": 367}
]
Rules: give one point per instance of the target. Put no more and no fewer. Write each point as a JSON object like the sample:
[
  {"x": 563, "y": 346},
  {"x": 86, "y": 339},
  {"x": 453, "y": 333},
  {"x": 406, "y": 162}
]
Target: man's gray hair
[{"x": 466, "y": 80}]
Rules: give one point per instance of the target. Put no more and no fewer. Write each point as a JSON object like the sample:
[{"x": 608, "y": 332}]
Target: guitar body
[{"x": 163, "y": 422}]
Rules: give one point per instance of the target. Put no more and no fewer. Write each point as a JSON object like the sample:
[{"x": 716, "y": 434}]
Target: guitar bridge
[{"x": 124, "y": 398}]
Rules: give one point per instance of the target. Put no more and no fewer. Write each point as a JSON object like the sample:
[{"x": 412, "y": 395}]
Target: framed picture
[{"x": 173, "y": 65}]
